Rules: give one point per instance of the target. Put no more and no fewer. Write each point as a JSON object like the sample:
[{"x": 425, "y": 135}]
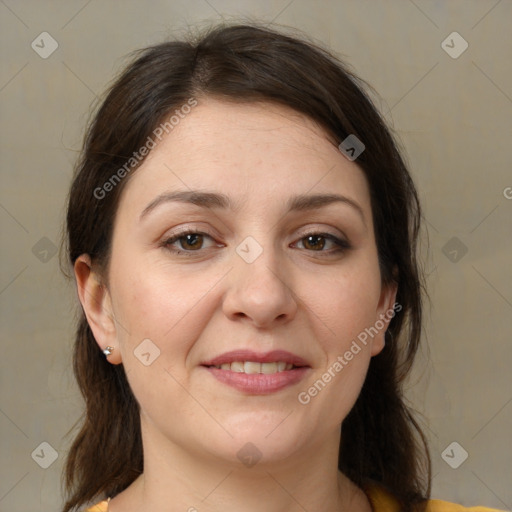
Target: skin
[{"x": 297, "y": 296}]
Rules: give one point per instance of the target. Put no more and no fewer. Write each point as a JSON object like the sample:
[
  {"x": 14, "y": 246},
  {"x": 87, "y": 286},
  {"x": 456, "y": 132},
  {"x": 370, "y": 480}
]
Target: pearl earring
[{"x": 108, "y": 351}]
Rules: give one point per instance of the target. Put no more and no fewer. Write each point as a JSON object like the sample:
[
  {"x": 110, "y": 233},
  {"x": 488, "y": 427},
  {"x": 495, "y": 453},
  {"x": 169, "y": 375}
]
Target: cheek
[
  {"x": 346, "y": 308},
  {"x": 168, "y": 308},
  {"x": 171, "y": 311},
  {"x": 332, "y": 391},
  {"x": 347, "y": 305}
]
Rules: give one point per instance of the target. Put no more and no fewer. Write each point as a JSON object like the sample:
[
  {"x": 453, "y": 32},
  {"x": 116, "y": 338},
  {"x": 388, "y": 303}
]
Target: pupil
[
  {"x": 316, "y": 244},
  {"x": 191, "y": 240}
]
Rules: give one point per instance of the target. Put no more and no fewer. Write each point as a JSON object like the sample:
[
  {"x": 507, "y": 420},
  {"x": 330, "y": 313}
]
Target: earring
[{"x": 108, "y": 351}]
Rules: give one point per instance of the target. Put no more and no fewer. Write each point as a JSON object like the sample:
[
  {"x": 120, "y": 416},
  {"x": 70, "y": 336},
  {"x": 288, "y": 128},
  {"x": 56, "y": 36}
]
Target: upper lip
[{"x": 249, "y": 355}]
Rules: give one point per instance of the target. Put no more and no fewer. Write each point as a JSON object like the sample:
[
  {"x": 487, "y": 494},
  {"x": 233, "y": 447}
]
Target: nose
[{"x": 259, "y": 292}]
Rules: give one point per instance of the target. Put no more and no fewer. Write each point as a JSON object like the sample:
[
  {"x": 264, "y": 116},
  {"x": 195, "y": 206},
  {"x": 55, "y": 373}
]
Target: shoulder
[
  {"x": 99, "y": 507},
  {"x": 445, "y": 506},
  {"x": 383, "y": 501}
]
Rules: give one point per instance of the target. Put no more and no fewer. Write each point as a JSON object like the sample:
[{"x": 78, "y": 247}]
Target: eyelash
[{"x": 342, "y": 245}]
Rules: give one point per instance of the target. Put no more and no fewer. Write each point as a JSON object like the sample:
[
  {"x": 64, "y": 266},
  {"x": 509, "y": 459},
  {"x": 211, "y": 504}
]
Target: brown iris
[
  {"x": 190, "y": 241},
  {"x": 314, "y": 242}
]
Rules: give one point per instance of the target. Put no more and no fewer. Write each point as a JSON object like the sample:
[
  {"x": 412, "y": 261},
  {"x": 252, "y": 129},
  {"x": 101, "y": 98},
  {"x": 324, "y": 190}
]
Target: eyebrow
[{"x": 303, "y": 202}]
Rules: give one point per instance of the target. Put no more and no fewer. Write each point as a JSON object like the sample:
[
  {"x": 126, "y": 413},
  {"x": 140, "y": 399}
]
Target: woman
[{"x": 243, "y": 235}]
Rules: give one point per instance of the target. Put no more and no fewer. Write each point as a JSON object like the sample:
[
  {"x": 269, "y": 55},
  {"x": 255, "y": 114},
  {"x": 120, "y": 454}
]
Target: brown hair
[{"x": 381, "y": 441}]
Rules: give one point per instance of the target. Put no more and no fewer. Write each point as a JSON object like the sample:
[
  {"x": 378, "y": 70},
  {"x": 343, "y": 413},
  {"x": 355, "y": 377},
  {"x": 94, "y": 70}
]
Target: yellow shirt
[
  {"x": 380, "y": 500},
  {"x": 99, "y": 507}
]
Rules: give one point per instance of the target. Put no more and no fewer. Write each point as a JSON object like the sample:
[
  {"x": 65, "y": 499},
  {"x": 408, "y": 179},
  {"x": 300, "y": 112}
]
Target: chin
[{"x": 259, "y": 440}]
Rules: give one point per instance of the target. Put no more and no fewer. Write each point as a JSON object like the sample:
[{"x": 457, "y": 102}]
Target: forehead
[{"x": 257, "y": 151}]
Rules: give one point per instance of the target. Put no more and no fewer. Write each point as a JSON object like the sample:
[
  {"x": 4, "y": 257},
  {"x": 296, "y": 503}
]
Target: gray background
[{"x": 453, "y": 118}]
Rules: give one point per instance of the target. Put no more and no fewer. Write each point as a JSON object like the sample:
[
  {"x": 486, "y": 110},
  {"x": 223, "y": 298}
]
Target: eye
[
  {"x": 187, "y": 242},
  {"x": 318, "y": 242}
]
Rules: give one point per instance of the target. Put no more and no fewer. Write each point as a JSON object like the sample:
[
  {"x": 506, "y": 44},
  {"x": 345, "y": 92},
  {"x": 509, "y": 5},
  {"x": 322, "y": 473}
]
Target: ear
[
  {"x": 386, "y": 310},
  {"x": 96, "y": 303}
]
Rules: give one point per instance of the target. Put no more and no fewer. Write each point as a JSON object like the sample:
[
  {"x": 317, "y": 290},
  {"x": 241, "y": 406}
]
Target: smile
[
  {"x": 258, "y": 383},
  {"x": 251, "y": 367}
]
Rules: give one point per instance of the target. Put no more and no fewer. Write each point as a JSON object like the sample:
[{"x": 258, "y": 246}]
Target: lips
[
  {"x": 274, "y": 356},
  {"x": 257, "y": 374}
]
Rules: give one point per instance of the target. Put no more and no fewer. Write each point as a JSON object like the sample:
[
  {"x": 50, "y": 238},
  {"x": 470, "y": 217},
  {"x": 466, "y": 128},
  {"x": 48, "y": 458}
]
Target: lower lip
[{"x": 259, "y": 383}]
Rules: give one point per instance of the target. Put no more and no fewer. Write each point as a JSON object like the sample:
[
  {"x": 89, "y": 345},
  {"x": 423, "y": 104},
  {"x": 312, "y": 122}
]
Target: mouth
[
  {"x": 248, "y": 361},
  {"x": 257, "y": 374},
  {"x": 252, "y": 367}
]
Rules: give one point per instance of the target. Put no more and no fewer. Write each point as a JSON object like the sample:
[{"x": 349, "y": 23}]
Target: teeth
[
  {"x": 237, "y": 367},
  {"x": 281, "y": 366},
  {"x": 268, "y": 367},
  {"x": 251, "y": 367}
]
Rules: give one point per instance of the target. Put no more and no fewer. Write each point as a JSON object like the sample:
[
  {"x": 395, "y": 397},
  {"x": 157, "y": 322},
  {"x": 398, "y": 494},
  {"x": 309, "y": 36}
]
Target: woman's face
[{"x": 274, "y": 269}]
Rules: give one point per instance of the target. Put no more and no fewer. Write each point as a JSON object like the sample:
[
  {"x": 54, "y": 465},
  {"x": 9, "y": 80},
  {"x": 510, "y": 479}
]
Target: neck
[{"x": 176, "y": 479}]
